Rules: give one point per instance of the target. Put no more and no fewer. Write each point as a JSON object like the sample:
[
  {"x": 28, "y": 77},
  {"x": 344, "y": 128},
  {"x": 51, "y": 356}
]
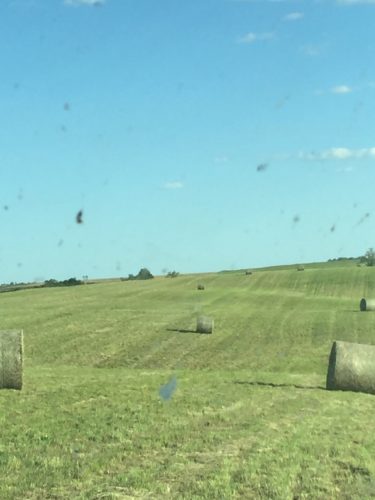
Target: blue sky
[{"x": 153, "y": 116}]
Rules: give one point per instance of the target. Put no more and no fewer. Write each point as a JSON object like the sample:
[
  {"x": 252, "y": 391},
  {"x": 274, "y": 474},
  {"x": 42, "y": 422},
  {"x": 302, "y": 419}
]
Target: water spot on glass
[
  {"x": 66, "y": 106},
  {"x": 118, "y": 266},
  {"x": 60, "y": 243},
  {"x": 79, "y": 216},
  {"x": 333, "y": 228},
  {"x": 281, "y": 103},
  {"x": 362, "y": 219},
  {"x": 296, "y": 219},
  {"x": 262, "y": 167},
  {"x": 19, "y": 264},
  {"x": 6, "y": 207},
  {"x": 166, "y": 391}
]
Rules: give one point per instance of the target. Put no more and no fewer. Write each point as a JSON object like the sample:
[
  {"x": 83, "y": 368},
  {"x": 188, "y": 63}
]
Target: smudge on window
[
  {"x": 166, "y": 391},
  {"x": 79, "y": 216}
]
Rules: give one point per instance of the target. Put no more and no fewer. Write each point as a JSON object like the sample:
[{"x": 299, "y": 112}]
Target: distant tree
[
  {"x": 51, "y": 282},
  {"x": 144, "y": 274},
  {"x": 370, "y": 257},
  {"x": 172, "y": 274},
  {"x": 69, "y": 282}
]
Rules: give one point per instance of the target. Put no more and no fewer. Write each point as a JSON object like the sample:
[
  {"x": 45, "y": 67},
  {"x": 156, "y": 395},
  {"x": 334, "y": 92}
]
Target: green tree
[
  {"x": 144, "y": 274},
  {"x": 370, "y": 257}
]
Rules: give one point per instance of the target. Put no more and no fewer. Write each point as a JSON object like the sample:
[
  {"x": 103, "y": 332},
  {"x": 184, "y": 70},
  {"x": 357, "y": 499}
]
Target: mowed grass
[{"x": 250, "y": 417}]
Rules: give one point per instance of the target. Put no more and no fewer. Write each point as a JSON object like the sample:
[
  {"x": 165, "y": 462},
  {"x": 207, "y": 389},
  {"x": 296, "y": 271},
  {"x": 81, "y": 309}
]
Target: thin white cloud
[
  {"x": 338, "y": 154},
  {"x": 89, "y": 3},
  {"x": 344, "y": 169},
  {"x": 173, "y": 185},
  {"x": 311, "y": 50},
  {"x": 293, "y": 16},
  {"x": 341, "y": 89},
  {"x": 255, "y": 37},
  {"x": 262, "y": 1},
  {"x": 355, "y": 2},
  {"x": 221, "y": 159}
]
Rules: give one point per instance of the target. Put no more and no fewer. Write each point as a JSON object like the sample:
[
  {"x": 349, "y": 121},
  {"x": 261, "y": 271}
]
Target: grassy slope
[{"x": 250, "y": 417}]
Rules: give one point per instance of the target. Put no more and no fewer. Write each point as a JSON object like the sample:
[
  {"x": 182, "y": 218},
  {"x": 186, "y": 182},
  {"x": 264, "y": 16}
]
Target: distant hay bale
[
  {"x": 11, "y": 359},
  {"x": 351, "y": 367},
  {"x": 248, "y": 273},
  {"x": 205, "y": 324},
  {"x": 367, "y": 305},
  {"x": 200, "y": 286},
  {"x": 300, "y": 268}
]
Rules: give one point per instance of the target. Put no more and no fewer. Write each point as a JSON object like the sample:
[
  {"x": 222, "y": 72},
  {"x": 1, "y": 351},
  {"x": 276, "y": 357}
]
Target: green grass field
[{"x": 250, "y": 417}]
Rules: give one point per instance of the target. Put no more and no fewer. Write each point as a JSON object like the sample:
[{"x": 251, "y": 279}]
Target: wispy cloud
[
  {"x": 341, "y": 89},
  {"x": 89, "y": 3},
  {"x": 311, "y": 50},
  {"x": 338, "y": 154},
  {"x": 221, "y": 159},
  {"x": 344, "y": 170},
  {"x": 338, "y": 89},
  {"x": 255, "y": 37},
  {"x": 355, "y": 2},
  {"x": 262, "y": 1},
  {"x": 293, "y": 16},
  {"x": 173, "y": 185}
]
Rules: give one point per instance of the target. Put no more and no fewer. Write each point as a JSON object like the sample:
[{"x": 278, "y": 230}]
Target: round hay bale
[
  {"x": 367, "y": 305},
  {"x": 351, "y": 367},
  {"x": 200, "y": 286},
  {"x": 205, "y": 324},
  {"x": 248, "y": 273},
  {"x": 300, "y": 268},
  {"x": 11, "y": 359}
]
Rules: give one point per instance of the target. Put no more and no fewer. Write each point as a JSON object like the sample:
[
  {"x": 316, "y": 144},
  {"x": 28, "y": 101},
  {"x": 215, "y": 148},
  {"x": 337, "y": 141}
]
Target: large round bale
[
  {"x": 351, "y": 367},
  {"x": 249, "y": 273},
  {"x": 367, "y": 305},
  {"x": 205, "y": 324},
  {"x": 200, "y": 286},
  {"x": 11, "y": 359}
]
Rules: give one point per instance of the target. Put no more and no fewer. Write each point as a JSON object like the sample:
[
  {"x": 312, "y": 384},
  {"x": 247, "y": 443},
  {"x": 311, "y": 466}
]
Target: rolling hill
[{"x": 250, "y": 416}]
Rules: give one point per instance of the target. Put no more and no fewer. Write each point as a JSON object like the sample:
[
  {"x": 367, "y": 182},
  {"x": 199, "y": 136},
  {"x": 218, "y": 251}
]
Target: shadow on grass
[
  {"x": 270, "y": 384},
  {"x": 181, "y": 330}
]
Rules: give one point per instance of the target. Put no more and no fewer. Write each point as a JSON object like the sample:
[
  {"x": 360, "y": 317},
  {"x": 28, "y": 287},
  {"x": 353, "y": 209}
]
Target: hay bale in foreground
[
  {"x": 205, "y": 324},
  {"x": 351, "y": 367},
  {"x": 200, "y": 286},
  {"x": 11, "y": 359},
  {"x": 367, "y": 305}
]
